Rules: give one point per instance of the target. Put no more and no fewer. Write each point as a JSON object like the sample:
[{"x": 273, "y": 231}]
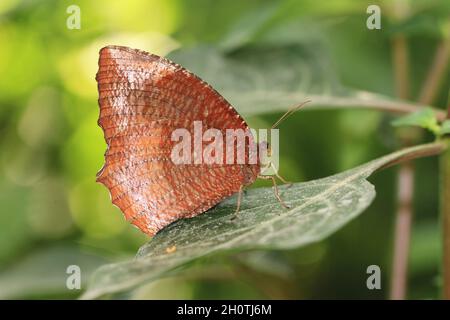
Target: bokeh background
[{"x": 53, "y": 214}]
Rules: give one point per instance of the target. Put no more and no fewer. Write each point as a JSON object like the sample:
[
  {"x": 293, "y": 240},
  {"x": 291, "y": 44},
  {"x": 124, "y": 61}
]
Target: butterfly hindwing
[{"x": 143, "y": 98}]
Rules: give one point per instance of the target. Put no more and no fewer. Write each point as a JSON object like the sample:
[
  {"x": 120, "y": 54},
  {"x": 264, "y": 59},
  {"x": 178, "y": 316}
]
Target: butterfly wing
[{"x": 143, "y": 98}]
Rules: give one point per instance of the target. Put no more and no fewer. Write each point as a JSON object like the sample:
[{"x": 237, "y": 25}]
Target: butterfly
[{"x": 143, "y": 98}]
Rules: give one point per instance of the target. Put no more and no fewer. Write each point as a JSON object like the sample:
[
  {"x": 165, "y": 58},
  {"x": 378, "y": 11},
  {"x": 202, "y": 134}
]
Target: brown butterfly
[{"x": 143, "y": 98}]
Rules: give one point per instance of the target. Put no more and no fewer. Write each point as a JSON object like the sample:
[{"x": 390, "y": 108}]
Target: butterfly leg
[
  {"x": 238, "y": 205},
  {"x": 277, "y": 194},
  {"x": 289, "y": 184}
]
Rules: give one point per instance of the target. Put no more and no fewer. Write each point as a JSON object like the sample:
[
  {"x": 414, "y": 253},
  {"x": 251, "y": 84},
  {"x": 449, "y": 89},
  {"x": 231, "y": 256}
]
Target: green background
[{"x": 53, "y": 214}]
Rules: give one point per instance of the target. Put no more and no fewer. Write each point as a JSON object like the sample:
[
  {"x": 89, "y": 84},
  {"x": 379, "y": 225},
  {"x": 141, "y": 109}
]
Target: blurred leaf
[
  {"x": 317, "y": 209},
  {"x": 43, "y": 272},
  {"x": 92, "y": 211},
  {"x": 6, "y": 5},
  {"x": 427, "y": 22},
  {"x": 245, "y": 29},
  {"x": 14, "y": 229},
  {"x": 48, "y": 213},
  {"x": 258, "y": 80},
  {"x": 416, "y": 25},
  {"x": 425, "y": 248},
  {"x": 82, "y": 153},
  {"x": 424, "y": 118},
  {"x": 135, "y": 15},
  {"x": 445, "y": 127},
  {"x": 287, "y": 22},
  {"x": 263, "y": 80},
  {"x": 43, "y": 105},
  {"x": 267, "y": 262},
  {"x": 23, "y": 60}
]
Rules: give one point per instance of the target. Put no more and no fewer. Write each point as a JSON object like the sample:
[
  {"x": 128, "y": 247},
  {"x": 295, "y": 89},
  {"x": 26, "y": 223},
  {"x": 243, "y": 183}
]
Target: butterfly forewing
[{"x": 143, "y": 98}]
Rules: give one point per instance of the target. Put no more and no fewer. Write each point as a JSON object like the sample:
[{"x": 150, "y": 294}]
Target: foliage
[
  {"x": 317, "y": 209},
  {"x": 424, "y": 118},
  {"x": 263, "y": 56}
]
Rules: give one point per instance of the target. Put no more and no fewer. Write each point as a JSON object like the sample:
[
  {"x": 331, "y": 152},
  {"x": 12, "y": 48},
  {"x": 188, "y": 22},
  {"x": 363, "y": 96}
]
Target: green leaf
[
  {"x": 13, "y": 220},
  {"x": 42, "y": 273},
  {"x": 429, "y": 21},
  {"x": 425, "y": 118},
  {"x": 317, "y": 209},
  {"x": 247, "y": 27},
  {"x": 445, "y": 127},
  {"x": 269, "y": 79},
  {"x": 425, "y": 249}
]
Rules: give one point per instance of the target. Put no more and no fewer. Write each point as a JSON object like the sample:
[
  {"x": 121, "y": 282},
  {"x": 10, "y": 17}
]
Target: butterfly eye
[{"x": 264, "y": 146}]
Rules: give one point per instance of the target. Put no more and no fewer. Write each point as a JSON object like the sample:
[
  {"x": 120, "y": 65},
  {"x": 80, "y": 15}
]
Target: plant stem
[
  {"x": 428, "y": 93},
  {"x": 445, "y": 220},
  {"x": 436, "y": 72},
  {"x": 405, "y": 176},
  {"x": 418, "y": 151},
  {"x": 363, "y": 100},
  {"x": 403, "y": 223},
  {"x": 401, "y": 69},
  {"x": 400, "y": 54},
  {"x": 445, "y": 215}
]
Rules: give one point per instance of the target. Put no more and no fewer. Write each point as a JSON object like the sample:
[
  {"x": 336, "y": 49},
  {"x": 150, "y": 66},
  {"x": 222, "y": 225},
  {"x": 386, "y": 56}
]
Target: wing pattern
[{"x": 142, "y": 99}]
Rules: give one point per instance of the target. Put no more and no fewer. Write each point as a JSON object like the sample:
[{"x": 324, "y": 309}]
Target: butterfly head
[
  {"x": 266, "y": 146},
  {"x": 265, "y": 155}
]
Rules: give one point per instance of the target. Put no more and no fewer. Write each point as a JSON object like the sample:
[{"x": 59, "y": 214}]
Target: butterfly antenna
[{"x": 289, "y": 113}]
